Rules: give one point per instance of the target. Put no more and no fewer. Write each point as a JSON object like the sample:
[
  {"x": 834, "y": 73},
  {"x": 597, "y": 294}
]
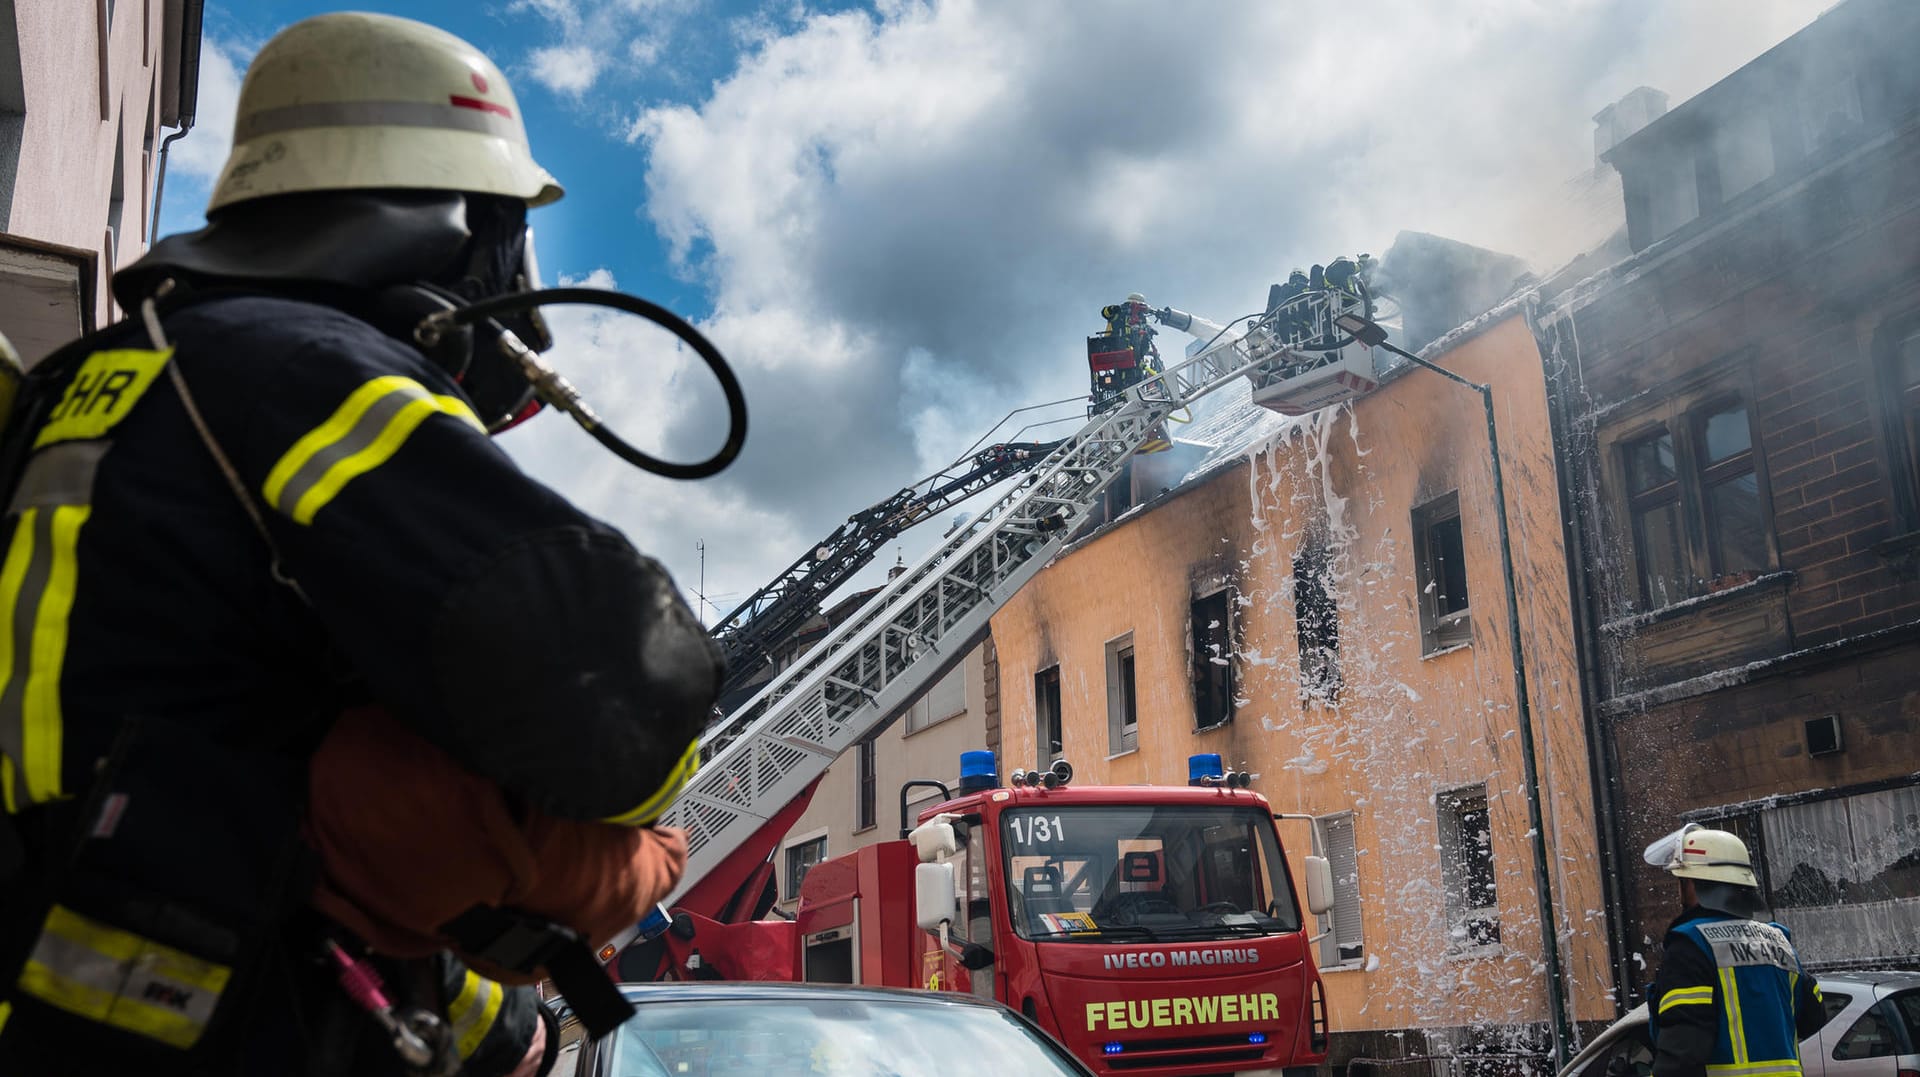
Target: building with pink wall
[{"x": 85, "y": 88}]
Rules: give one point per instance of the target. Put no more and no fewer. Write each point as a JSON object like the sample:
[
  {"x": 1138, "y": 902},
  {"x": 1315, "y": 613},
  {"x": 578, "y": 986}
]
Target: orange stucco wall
[{"x": 1405, "y": 726}]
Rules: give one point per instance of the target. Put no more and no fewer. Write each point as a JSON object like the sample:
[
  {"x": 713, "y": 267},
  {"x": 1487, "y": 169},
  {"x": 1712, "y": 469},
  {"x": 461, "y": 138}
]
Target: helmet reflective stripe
[
  {"x": 374, "y": 114},
  {"x": 1712, "y": 855},
  {"x": 356, "y": 101}
]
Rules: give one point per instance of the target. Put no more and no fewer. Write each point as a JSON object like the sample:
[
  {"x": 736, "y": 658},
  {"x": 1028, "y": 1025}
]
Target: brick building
[{"x": 1737, "y": 408}]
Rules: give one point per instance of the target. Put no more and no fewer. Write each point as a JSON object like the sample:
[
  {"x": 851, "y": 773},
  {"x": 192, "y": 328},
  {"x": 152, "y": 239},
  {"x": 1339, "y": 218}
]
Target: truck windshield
[{"x": 1124, "y": 873}]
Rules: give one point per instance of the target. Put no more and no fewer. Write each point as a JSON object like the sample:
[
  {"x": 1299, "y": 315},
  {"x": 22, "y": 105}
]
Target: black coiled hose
[{"x": 556, "y": 391}]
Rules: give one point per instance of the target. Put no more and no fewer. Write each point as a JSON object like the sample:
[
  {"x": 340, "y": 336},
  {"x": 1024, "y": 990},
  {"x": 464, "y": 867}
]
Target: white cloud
[
  {"x": 202, "y": 153},
  {"x": 591, "y": 33},
  {"x": 567, "y": 69},
  {"x": 910, "y": 217}
]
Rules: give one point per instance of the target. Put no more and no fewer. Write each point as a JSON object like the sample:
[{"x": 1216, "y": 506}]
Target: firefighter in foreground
[
  {"x": 319, "y": 720},
  {"x": 1730, "y": 998}
]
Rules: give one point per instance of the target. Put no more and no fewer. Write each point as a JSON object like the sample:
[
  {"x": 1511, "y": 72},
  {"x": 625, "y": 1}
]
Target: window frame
[
  {"x": 920, "y": 714},
  {"x": 1452, "y": 807},
  {"x": 1454, "y": 628},
  {"x": 1336, "y": 933},
  {"x": 1123, "y": 696},
  {"x": 1200, "y": 641},
  {"x": 796, "y": 845},
  {"x": 1046, "y": 685},
  {"x": 1682, "y": 417},
  {"x": 867, "y": 784}
]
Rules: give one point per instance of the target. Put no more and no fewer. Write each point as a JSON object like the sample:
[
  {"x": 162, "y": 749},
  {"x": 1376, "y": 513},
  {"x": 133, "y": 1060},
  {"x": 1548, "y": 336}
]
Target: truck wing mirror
[
  {"x": 935, "y": 838},
  {"x": 933, "y": 897},
  {"x": 1319, "y": 885}
]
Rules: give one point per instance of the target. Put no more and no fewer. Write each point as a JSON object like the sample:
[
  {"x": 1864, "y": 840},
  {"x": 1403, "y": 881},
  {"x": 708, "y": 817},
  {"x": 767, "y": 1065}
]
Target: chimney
[{"x": 1612, "y": 125}]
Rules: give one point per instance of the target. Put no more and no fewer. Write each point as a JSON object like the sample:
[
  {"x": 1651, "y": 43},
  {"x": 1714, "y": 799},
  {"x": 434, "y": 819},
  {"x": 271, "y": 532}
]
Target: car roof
[
  {"x": 1860, "y": 979},
  {"x": 735, "y": 990}
]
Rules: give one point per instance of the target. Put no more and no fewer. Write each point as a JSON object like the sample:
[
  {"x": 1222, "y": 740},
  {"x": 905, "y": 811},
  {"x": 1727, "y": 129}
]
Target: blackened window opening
[
  {"x": 1316, "y": 623},
  {"x": 1046, "y": 710},
  {"x": 1212, "y": 659}
]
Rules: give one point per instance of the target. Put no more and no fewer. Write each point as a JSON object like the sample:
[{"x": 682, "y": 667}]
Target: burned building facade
[{"x": 1737, "y": 414}]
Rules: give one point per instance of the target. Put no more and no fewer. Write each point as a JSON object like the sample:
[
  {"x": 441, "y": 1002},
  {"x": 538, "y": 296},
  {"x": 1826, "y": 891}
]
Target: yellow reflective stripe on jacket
[
  {"x": 121, "y": 979},
  {"x": 1785, "y": 1067},
  {"x": 473, "y": 1012},
  {"x": 662, "y": 799},
  {"x": 6, "y": 1011},
  {"x": 1736, "y": 1028},
  {"x": 1687, "y": 996},
  {"x": 37, "y": 581},
  {"x": 363, "y": 433}
]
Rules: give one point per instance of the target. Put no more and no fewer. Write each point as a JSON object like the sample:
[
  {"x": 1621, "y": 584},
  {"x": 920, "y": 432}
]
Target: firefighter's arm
[
  {"x": 529, "y": 641},
  {"x": 1685, "y": 1005},
  {"x": 1809, "y": 1009},
  {"x": 497, "y": 1030}
]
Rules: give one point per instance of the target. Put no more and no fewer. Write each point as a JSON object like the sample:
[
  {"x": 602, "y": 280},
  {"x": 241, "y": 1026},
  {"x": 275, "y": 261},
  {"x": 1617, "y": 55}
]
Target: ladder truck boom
[
  {"x": 774, "y": 749},
  {"x": 748, "y": 635}
]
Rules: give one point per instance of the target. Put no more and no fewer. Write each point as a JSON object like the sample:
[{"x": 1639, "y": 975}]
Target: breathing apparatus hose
[{"x": 557, "y": 392}]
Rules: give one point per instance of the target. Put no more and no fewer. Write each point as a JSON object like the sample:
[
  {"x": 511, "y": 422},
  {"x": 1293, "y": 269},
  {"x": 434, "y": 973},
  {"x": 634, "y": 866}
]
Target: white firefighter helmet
[
  {"x": 1136, "y": 297},
  {"x": 355, "y": 101},
  {"x": 1695, "y": 852}
]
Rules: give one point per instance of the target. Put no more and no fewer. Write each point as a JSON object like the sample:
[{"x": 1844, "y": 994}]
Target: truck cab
[{"x": 1151, "y": 929}]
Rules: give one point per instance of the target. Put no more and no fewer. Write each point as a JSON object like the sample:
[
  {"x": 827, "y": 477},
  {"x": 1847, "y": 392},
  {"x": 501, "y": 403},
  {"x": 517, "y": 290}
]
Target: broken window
[
  {"x": 1212, "y": 617},
  {"x": 1440, "y": 570},
  {"x": 1046, "y": 716},
  {"x": 1316, "y": 621},
  {"x": 1696, "y": 516},
  {"x": 1466, "y": 868},
  {"x": 869, "y": 785},
  {"x": 1123, "y": 712},
  {"x": 1840, "y": 873},
  {"x": 1342, "y": 943}
]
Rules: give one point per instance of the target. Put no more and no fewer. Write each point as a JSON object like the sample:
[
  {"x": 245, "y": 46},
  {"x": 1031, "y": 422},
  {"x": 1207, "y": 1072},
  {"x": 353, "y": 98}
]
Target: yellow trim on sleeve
[{"x": 656, "y": 805}]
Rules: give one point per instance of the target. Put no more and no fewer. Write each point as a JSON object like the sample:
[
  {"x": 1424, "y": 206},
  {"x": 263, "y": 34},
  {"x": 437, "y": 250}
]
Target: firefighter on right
[{"x": 1731, "y": 999}]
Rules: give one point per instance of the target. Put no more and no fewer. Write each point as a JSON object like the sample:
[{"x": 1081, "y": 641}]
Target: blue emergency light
[
  {"x": 1202, "y": 767},
  {"x": 976, "y": 772},
  {"x": 1256, "y": 1037},
  {"x": 1113, "y": 1048},
  {"x": 654, "y": 924}
]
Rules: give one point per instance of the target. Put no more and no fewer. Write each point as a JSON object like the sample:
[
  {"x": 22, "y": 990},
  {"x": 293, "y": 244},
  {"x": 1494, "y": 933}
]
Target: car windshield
[
  {"x": 860, "y": 1037},
  {"x": 1127, "y": 873}
]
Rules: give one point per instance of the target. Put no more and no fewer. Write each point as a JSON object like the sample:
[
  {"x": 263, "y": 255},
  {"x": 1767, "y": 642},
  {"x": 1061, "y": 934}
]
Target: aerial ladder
[
  {"x": 749, "y": 635},
  {"x": 762, "y": 762}
]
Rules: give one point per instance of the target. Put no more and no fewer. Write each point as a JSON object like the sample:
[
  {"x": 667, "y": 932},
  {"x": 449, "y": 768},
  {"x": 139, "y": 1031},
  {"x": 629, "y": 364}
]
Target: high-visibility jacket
[
  {"x": 530, "y": 642},
  {"x": 1731, "y": 999}
]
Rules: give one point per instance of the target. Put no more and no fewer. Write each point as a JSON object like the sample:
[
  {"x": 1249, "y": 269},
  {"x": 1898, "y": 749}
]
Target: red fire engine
[{"x": 1151, "y": 929}]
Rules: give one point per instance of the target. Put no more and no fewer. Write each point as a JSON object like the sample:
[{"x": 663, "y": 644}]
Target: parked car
[
  {"x": 787, "y": 1030},
  {"x": 1872, "y": 1030}
]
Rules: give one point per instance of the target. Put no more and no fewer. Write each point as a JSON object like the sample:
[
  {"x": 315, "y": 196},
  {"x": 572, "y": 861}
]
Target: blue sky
[{"x": 900, "y": 218}]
